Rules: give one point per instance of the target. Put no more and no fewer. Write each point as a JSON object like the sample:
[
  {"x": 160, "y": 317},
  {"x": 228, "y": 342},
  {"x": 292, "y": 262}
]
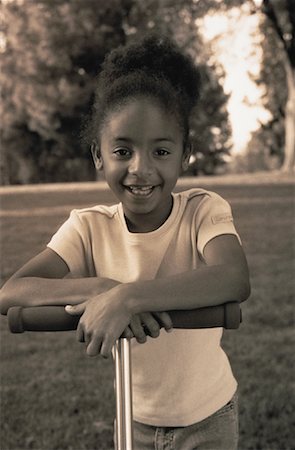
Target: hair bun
[
  {"x": 154, "y": 67},
  {"x": 159, "y": 57}
]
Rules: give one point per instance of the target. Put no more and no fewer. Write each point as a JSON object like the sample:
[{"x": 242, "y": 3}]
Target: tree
[
  {"x": 280, "y": 15},
  {"x": 52, "y": 54},
  {"x": 53, "y": 51}
]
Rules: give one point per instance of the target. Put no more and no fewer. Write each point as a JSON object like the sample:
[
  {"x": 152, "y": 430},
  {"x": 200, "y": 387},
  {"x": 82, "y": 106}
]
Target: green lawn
[{"x": 54, "y": 397}]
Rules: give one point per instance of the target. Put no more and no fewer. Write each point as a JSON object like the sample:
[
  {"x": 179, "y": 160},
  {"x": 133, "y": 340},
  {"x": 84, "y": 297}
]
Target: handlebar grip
[
  {"x": 40, "y": 318},
  {"x": 227, "y": 316},
  {"x": 55, "y": 318}
]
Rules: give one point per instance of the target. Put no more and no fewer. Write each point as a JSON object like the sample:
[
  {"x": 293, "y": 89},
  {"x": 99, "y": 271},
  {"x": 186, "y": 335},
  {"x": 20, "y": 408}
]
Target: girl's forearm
[
  {"x": 35, "y": 291},
  {"x": 208, "y": 286}
]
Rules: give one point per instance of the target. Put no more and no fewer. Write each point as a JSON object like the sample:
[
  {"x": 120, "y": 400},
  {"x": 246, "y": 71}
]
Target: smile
[{"x": 142, "y": 191}]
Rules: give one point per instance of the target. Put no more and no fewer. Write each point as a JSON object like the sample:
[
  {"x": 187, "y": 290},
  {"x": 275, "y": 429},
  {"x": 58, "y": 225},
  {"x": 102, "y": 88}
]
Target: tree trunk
[{"x": 289, "y": 156}]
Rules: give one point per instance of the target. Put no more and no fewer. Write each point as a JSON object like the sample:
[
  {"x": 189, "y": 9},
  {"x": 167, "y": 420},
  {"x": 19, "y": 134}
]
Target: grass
[{"x": 54, "y": 397}]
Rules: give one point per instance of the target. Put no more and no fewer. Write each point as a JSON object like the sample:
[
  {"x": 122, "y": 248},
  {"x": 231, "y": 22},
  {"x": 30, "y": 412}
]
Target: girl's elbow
[
  {"x": 8, "y": 296},
  {"x": 245, "y": 291},
  {"x": 4, "y": 302},
  {"x": 240, "y": 284},
  {"x": 244, "y": 287}
]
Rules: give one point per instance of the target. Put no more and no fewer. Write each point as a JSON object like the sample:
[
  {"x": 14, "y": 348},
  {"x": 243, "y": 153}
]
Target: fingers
[
  {"x": 106, "y": 347},
  {"x": 151, "y": 325},
  {"x": 143, "y": 325},
  {"x": 93, "y": 342},
  {"x": 95, "y": 345},
  {"x": 127, "y": 333},
  {"x": 102, "y": 322},
  {"x": 76, "y": 310},
  {"x": 164, "y": 320},
  {"x": 80, "y": 333},
  {"x": 137, "y": 329}
]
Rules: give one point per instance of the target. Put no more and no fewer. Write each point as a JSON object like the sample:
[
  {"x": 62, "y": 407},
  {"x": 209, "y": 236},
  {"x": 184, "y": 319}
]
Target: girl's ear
[
  {"x": 96, "y": 155},
  {"x": 186, "y": 156}
]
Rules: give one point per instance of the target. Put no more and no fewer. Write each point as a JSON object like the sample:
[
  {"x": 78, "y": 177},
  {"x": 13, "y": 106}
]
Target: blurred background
[{"x": 52, "y": 51}]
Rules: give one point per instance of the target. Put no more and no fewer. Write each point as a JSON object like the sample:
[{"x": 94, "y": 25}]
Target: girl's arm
[
  {"x": 41, "y": 282},
  {"x": 225, "y": 278}
]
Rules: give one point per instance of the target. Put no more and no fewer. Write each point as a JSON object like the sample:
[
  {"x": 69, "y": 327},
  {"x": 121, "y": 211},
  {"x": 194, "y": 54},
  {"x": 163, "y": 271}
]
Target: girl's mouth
[{"x": 142, "y": 191}]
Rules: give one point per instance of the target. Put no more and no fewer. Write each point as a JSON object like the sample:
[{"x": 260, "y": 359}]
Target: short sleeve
[
  {"x": 69, "y": 244},
  {"x": 214, "y": 218}
]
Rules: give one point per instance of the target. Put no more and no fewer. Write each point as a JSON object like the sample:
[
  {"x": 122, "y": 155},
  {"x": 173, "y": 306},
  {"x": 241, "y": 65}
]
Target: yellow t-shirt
[{"x": 182, "y": 377}]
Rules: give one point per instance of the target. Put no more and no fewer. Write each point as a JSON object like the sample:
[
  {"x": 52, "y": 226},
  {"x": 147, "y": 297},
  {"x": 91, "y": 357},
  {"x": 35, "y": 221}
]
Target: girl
[{"x": 153, "y": 252}]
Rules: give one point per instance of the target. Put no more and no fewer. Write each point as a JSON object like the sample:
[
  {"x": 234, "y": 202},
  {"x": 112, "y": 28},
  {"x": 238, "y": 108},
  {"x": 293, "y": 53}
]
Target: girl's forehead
[{"x": 142, "y": 116}]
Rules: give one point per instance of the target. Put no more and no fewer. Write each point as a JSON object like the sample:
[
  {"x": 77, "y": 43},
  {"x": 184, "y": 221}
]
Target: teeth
[{"x": 141, "y": 190}]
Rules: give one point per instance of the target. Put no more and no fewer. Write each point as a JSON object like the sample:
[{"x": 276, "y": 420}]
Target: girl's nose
[{"x": 141, "y": 166}]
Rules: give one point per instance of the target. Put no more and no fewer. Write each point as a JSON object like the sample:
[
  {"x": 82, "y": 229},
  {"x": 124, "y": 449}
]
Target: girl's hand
[
  {"x": 147, "y": 324},
  {"x": 103, "y": 320}
]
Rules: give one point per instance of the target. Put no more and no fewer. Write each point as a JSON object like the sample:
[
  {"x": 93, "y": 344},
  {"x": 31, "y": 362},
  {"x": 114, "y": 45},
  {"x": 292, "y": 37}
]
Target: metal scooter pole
[{"x": 123, "y": 386}]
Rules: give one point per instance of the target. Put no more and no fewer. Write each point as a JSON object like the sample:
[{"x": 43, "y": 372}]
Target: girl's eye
[
  {"x": 122, "y": 153},
  {"x": 162, "y": 152}
]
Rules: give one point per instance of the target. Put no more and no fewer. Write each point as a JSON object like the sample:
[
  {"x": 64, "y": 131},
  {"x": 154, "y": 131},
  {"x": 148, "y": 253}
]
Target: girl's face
[{"x": 141, "y": 152}]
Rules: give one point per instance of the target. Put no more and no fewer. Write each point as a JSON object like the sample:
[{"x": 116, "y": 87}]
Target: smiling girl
[{"x": 154, "y": 251}]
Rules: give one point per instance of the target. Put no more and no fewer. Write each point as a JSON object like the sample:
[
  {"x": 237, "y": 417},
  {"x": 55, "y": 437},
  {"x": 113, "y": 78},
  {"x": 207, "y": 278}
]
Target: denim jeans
[{"x": 218, "y": 432}]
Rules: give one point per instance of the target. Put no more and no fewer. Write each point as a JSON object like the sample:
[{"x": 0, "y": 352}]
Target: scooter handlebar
[{"x": 55, "y": 318}]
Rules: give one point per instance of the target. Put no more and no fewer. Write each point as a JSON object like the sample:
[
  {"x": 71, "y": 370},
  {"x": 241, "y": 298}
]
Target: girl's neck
[{"x": 145, "y": 223}]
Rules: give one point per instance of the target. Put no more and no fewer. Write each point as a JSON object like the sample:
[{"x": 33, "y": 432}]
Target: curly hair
[{"x": 153, "y": 67}]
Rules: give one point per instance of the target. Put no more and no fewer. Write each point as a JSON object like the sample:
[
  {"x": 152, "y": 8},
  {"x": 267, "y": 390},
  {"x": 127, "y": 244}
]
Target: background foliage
[
  {"x": 53, "y": 52},
  {"x": 267, "y": 148}
]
